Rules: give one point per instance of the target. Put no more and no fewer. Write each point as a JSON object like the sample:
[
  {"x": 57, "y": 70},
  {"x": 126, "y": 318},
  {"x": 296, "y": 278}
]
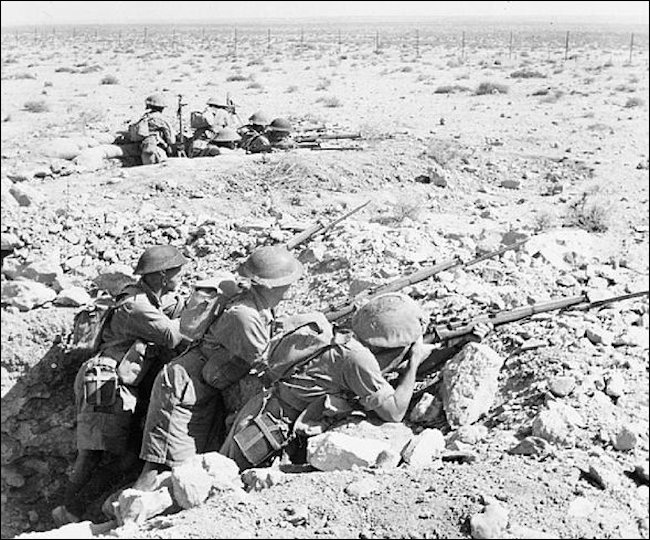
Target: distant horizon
[{"x": 103, "y": 13}]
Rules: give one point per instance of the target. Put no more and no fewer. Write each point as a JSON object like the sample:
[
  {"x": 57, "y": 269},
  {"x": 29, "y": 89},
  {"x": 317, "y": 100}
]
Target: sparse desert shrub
[
  {"x": 442, "y": 152},
  {"x": 543, "y": 221},
  {"x": 48, "y": 83},
  {"x": 608, "y": 64},
  {"x": 91, "y": 69},
  {"x": 592, "y": 216},
  {"x": 291, "y": 89},
  {"x": 451, "y": 89},
  {"x": 65, "y": 69},
  {"x": 406, "y": 69},
  {"x": 330, "y": 101},
  {"x": 541, "y": 92},
  {"x": 633, "y": 79},
  {"x": 488, "y": 87},
  {"x": 255, "y": 62},
  {"x": 324, "y": 84},
  {"x": 552, "y": 97},
  {"x": 634, "y": 102},
  {"x": 406, "y": 209},
  {"x": 625, "y": 88},
  {"x": 236, "y": 78},
  {"x": 527, "y": 74},
  {"x": 255, "y": 86},
  {"x": 110, "y": 79},
  {"x": 36, "y": 106},
  {"x": 10, "y": 60}
]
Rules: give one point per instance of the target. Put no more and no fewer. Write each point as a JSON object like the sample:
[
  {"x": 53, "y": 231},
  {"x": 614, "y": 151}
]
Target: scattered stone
[
  {"x": 73, "y": 297},
  {"x": 297, "y": 514},
  {"x": 26, "y": 195},
  {"x": 635, "y": 337},
  {"x": 531, "y": 446},
  {"x": 426, "y": 410},
  {"x": 511, "y": 183},
  {"x": 526, "y": 533},
  {"x": 333, "y": 451},
  {"x": 641, "y": 472},
  {"x": 9, "y": 241},
  {"x": 43, "y": 270},
  {"x": 25, "y": 294},
  {"x": 491, "y": 523},
  {"x": 135, "y": 506},
  {"x": 581, "y": 507},
  {"x": 83, "y": 529},
  {"x": 599, "y": 335},
  {"x": 362, "y": 488},
  {"x": 603, "y": 474},
  {"x": 459, "y": 456},
  {"x": 557, "y": 424},
  {"x": 533, "y": 343},
  {"x": 262, "y": 478},
  {"x": 424, "y": 448},
  {"x": 615, "y": 385},
  {"x": 567, "y": 280},
  {"x": 625, "y": 438},
  {"x": 561, "y": 386},
  {"x": 470, "y": 383},
  {"x": 468, "y": 434}
]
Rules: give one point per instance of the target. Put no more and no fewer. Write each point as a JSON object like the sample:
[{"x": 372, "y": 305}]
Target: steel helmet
[
  {"x": 215, "y": 102},
  {"x": 157, "y": 258},
  {"x": 389, "y": 321},
  {"x": 227, "y": 134},
  {"x": 271, "y": 266},
  {"x": 259, "y": 118},
  {"x": 280, "y": 124},
  {"x": 155, "y": 100}
]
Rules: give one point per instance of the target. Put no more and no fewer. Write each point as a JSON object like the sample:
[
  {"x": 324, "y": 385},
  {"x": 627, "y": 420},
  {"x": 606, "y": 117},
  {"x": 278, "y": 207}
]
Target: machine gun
[
  {"x": 231, "y": 107},
  {"x": 319, "y": 147},
  {"x": 448, "y": 330},
  {"x": 326, "y": 137},
  {"x": 180, "y": 138},
  {"x": 347, "y": 308},
  {"x": 319, "y": 228}
]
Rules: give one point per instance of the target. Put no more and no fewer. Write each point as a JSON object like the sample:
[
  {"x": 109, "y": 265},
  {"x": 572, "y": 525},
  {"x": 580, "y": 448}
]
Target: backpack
[
  {"x": 305, "y": 337},
  {"x": 207, "y": 302},
  {"x": 88, "y": 325},
  {"x": 139, "y": 130}
]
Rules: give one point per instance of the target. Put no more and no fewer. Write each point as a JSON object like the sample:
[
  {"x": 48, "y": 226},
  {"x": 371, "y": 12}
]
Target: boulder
[
  {"x": 561, "y": 386},
  {"x": 426, "y": 410},
  {"x": 45, "y": 270},
  {"x": 468, "y": 434},
  {"x": 26, "y": 195},
  {"x": 491, "y": 523},
  {"x": 597, "y": 334},
  {"x": 25, "y": 294},
  {"x": 470, "y": 383},
  {"x": 135, "y": 506},
  {"x": 557, "y": 424},
  {"x": 73, "y": 297},
  {"x": 531, "y": 446},
  {"x": 333, "y": 451},
  {"x": 424, "y": 448},
  {"x": 615, "y": 385},
  {"x": 625, "y": 438}
]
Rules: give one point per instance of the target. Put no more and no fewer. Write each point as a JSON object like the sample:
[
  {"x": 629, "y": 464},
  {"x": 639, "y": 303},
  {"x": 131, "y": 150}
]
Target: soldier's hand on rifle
[{"x": 419, "y": 352}]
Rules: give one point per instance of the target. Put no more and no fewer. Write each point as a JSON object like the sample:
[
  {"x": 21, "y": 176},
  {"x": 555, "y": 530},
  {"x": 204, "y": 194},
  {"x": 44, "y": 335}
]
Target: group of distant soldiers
[{"x": 215, "y": 132}]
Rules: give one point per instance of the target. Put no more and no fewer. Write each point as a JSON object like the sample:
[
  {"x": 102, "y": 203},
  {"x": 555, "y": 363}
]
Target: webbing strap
[{"x": 267, "y": 433}]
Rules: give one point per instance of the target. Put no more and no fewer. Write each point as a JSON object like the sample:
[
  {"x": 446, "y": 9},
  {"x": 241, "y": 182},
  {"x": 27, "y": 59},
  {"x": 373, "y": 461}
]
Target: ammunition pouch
[
  {"x": 264, "y": 437},
  {"x": 100, "y": 382}
]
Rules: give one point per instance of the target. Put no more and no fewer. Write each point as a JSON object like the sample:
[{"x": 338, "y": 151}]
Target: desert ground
[{"x": 472, "y": 135}]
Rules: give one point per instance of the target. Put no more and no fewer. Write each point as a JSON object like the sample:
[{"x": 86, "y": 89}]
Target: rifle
[
  {"x": 326, "y": 137},
  {"x": 452, "y": 329},
  {"x": 345, "y": 309},
  {"x": 319, "y": 227},
  {"x": 318, "y": 146},
  {"x": 180, "y": 139}
]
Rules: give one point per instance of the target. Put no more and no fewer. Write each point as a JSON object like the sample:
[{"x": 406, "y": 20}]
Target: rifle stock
[
  {"x": 394, "y": 286},
  {"x": 319, "y": 227}
]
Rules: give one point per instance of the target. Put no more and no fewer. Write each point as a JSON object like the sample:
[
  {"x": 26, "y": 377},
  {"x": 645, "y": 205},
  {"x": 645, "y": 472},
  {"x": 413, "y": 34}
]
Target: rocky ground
[{"x": 555, "y": 150}]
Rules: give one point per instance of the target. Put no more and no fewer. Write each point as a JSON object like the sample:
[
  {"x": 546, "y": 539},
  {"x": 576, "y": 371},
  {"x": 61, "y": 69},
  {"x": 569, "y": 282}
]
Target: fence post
[
  {"x": 235, "y": 46},
  {"x": 377, "y": 41},
  {"x": 510, "y": 47},
  {"x": 417, "y": 43},
  {"x": 302, "y": 39},
  {"x": 268, "y": 39},
  {"x": 462, "y": 54},
  {"x": 339, "y": 41},
  {"x": 145, "y": 34},
  {"x": 631, "y": 46},
  {"x": 566, "y": 47}
]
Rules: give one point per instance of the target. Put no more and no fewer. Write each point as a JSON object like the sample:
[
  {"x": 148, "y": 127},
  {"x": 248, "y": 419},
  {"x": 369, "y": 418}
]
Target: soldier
[
  {"x": 186, "y": 412},
  {"x": 279, "y": 134},
  {"x": 253, "y": 137},
  {"x": 135, "y": 341},
  {"x": 387, "y": 332},
  {"x": 153, "y": 132},
  {"x": 211, "y": 121},
  {"x": 224, "y": 142}
]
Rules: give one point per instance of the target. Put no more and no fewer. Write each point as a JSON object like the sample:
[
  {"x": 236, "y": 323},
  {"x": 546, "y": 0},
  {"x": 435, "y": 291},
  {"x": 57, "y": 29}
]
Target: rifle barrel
[
  {"x": 444, "y": 332},
  {"x": 319, "y": 227}
]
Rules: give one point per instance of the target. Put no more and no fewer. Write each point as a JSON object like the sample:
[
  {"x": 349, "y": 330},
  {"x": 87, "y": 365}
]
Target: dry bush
[
  {"x": 109, "y": 79},
  {"x": 634, "y": 102},
  {"x": 65, "y": 69},
  {"x": 330, "y": 101},
  {"x": 91, "y": 69},
  {"x": 255, "y": 86},
  {"x": 488, "y": 87},
  {"x": 36, "y": 106},
  {"x": 406, "y": 209},
  {"x": 552, "y": 97},
  {"x": 541, "y": 92},
  {"x": 527, "y": 74},
  {"x": 236, "y": 78},
  {"x": 625, "y": 88},
  {"x": 291, "y": 89},
  {"x": 442, "y": 152},
  {"x": 255, "y": 62},
  {"x": 323, "y": 84},
  {"x": 633, "y": 79},
  {"x": 406, "y": 69},
  {"x": 543, "y": 221},
  {"x": 590, "y": 215},
  {"x": 451, "y": 89}
]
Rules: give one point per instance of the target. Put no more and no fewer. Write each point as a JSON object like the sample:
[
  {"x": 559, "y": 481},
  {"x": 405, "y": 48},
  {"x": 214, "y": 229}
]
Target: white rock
[
  {"x": 362, "y": 488},
  {"x": 135, "y": 506},
  {"x": 625, "y": 438},
  {"x": 426, "y": 410},
  {"x": 561, "y": 386},
  {"x": 83, "y": 529},
  {"x": 615, "y": 385},
  {"x": 424, "y": 448},
  {"x": 73, "y": 296},
  {"x": 333, "y": 451},
  {"x": 26, "y": 295},
  {"x": 469, "y": 434},
  {"x": 598, "y": 335},
  {"x": 45, "y": 270},
  {"x": 557, "y": 424},
  {"x": 491, "y": 523},
  {"x": 470, "y": 383},
  {"x": 581, "y": 507}
]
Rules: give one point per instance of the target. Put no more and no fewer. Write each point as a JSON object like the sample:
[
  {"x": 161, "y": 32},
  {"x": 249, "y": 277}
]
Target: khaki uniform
[
  {"x": 186, "y": 411},
  {"x": 153, "y": 149},
  {"x": 140, "y": 317},
  {"x": 347, "y": 372}
]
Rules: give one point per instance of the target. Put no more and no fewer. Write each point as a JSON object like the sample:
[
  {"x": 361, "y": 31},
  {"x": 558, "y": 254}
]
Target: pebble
[
  {"x": 625, "y": 439},
  {"x": 561, "y": 386}
]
